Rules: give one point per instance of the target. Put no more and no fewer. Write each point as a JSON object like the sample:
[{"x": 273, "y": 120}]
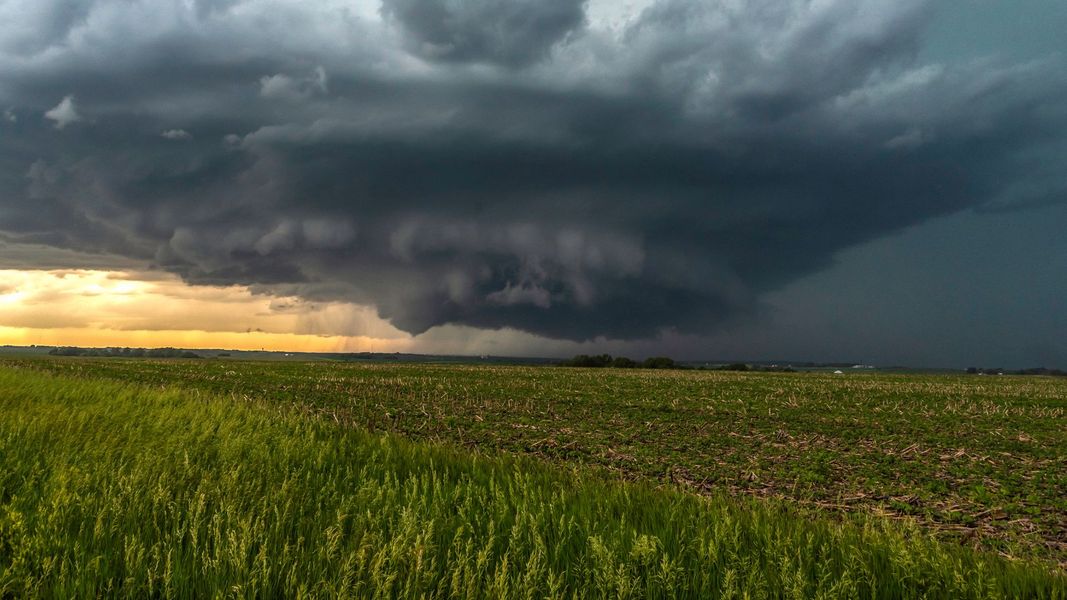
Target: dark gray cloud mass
[
  {"x": 507, "y": 164},
  {"x": 511, "y": 32}
]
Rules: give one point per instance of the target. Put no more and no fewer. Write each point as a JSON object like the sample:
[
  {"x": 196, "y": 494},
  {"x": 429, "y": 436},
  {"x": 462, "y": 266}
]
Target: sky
[{"x": 829, "y": 180}]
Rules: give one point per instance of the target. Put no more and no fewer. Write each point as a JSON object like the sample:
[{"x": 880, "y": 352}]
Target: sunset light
[{"x": 152, "y": 309}]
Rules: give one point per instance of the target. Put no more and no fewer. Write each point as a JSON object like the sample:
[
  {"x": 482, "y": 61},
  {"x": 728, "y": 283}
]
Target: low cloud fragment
[
  {"x": 177, "y": 134},
  {"x": 64, "y": 113}
]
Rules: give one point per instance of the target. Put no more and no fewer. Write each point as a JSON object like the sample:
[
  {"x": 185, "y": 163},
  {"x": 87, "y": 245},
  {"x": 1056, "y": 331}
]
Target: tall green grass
[{"x": 123, "y": 491}]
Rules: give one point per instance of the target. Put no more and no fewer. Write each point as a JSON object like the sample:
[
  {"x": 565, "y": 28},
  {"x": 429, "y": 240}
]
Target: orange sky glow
[
  {"x": 142, "y": 308},
  {"x": 152, "y": 309}
]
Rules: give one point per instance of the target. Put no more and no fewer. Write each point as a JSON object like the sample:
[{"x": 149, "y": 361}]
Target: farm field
[{"x": 185, "y": 478}]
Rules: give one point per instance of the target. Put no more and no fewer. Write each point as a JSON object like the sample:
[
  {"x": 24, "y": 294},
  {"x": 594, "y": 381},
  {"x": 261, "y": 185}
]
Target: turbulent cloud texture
[
  {"x": 509, "y": 32},
  {"x": 506, "y": 164}
]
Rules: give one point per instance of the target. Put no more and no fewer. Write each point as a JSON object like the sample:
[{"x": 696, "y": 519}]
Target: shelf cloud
[{"x": 501, "y": 164}]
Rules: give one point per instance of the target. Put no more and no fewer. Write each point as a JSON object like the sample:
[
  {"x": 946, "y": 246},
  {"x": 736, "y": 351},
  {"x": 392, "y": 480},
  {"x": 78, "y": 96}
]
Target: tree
[{"x": 659, "y": 362}]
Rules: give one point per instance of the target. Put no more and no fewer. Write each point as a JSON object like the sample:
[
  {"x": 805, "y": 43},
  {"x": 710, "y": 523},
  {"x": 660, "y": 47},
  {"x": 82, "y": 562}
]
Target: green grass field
[{"x": 216, "y": 478}]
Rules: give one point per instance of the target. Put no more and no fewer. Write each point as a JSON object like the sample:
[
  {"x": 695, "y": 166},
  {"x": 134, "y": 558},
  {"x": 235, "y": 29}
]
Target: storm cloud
[
  {"x": 507, "y": 164},
  {"x": 509, "y": 32}
]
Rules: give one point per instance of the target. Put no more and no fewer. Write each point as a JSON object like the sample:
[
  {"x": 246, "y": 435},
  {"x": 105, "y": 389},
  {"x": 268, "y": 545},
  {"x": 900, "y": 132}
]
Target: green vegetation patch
[
  {"x": 978, "y": 460},
  {"x": 120, "y": 490}
]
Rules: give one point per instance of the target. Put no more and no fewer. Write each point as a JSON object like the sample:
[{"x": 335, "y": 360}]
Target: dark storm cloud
[
  {"x": 620, "y": 183},
  {"x": 511, "y": 32}
]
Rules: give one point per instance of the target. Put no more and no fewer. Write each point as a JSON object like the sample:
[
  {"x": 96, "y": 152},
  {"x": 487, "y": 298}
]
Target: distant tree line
[
  {"x": 124, "y": 352},
  {"x": 1030, "y": 371},
  {"x": 747, "y": 367},
  {"x": 600, "y": 361}
]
